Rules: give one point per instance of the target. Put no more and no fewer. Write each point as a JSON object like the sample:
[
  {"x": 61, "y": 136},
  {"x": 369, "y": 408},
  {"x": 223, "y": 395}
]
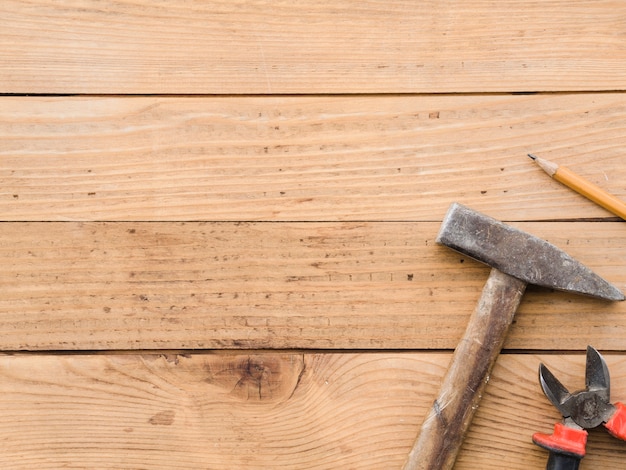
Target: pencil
[{"x": 582, "y": 186}]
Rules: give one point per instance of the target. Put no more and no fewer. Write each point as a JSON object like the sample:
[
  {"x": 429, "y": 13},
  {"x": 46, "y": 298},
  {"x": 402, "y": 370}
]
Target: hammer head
[{"x": 519, "y": 254}]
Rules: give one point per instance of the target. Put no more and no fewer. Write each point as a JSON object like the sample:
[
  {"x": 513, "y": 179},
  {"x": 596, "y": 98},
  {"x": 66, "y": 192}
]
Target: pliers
[{"x": 581, "y": 410}]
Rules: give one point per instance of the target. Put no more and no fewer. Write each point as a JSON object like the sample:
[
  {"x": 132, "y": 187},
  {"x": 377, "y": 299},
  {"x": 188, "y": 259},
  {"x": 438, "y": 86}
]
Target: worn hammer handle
[{"x": 443, "y": 429}]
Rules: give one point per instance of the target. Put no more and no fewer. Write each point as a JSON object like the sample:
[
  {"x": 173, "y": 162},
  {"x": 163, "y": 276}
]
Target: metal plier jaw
[{"x": 581, "y": 410}]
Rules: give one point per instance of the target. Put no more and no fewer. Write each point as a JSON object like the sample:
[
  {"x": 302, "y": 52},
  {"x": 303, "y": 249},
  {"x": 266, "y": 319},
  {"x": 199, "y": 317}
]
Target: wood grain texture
[
  {"x": 305, "y": 158},
  {"x": 270, "y": 410},
  {"x": 280, "y": 285},
  {"x": 315, "y": 46}
]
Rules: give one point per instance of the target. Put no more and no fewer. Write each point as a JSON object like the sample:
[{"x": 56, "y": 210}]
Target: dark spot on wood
[
  {"x": 434, "y": 115},
  {"x": 174, "y": 358},
  {"x": 107, "y": 309},
  {"x": 409, "y": 277},
  {"x": 164, "y": 418},
  {"x": 260, "y": 378}
]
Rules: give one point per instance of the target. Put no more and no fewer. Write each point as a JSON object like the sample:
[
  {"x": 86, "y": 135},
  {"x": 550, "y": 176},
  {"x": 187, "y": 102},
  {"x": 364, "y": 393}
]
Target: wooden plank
[
  {"x": 280, "y": 285},
  {"x": 315, "y": 46},
  {"x": 305, "y": 158},
  {"x": 271, "y": 410}
]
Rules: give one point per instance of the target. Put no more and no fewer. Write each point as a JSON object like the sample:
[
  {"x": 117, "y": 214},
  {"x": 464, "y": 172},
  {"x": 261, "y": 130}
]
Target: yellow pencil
[{"x": 582, "y": 186}]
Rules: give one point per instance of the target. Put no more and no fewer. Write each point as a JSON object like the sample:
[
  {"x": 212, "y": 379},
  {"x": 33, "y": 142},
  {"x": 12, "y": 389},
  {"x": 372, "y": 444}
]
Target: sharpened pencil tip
[{"x": 534, "y": 157}]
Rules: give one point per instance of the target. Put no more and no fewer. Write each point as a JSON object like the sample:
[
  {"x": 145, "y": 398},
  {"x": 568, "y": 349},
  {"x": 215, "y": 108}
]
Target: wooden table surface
[{"x": 218, "y": 223}]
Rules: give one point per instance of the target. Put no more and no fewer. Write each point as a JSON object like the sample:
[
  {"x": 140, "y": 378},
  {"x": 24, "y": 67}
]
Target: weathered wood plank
[
  {"x": 280, "y": 285},
  {"x": 282, "y": 410},
  {"x": 305, "y": 158},
  {"x": 315, "y": 46}
]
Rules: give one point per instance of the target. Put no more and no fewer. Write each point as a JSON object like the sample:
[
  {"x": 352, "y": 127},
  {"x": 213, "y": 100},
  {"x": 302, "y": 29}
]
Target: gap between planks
[{"x": 244, "y": 352}]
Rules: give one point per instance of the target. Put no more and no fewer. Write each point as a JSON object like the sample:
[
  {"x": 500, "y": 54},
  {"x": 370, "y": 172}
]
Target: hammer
[{"x": 517, "y": 259}]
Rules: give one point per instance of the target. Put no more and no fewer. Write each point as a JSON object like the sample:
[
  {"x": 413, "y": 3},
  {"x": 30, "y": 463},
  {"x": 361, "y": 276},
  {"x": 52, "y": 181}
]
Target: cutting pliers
[{"x": 581, "y": 410}]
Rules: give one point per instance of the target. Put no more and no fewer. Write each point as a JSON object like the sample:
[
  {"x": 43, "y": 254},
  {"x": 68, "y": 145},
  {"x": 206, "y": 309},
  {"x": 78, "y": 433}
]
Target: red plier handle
[
  {"x": 566, "y": 445},
  {"x": 616, "y": 425}
]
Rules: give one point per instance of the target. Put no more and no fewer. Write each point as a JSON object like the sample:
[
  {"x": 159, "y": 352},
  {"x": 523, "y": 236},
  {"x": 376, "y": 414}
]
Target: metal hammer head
[{"x": 519, "y": 254}]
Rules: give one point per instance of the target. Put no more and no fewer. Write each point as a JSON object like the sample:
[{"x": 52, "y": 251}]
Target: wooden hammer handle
[{"x": 443, "y": 429}]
